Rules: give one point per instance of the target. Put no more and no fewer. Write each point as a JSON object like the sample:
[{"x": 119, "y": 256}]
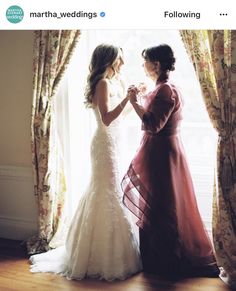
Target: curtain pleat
[
  {"x": 52, "y": 52},
  {"x": 213, "y": 54}
]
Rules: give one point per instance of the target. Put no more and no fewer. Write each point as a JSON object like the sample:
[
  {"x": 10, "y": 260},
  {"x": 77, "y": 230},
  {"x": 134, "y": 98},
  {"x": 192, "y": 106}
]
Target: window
[{"x": 199, "y": 138}]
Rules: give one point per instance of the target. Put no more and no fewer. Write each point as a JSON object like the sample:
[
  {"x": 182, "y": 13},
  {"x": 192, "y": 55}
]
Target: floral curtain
[
  {"x": 52, "y": 52},
  {"x": 213, "y": 54}
]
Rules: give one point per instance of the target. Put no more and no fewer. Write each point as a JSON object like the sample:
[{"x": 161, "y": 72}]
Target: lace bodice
[{"x": 106, "y": 142}]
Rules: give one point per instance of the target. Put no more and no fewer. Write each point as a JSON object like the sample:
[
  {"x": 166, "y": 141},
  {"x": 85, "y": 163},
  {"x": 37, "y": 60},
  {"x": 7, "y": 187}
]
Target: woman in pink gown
[{"x": 158, "y": 188}]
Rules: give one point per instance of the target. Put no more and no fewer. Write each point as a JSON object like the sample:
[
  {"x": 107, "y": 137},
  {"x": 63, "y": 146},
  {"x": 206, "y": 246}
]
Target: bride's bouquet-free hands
[
  {"x": 132, "y": 93},
  {"x": 136, "y": 92}
]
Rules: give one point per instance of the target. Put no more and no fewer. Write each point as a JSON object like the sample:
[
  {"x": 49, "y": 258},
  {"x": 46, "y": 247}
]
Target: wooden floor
[{"x": 15, "y": 275}]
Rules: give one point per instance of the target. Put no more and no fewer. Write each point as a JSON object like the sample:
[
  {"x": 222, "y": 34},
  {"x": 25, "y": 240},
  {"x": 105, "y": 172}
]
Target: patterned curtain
[
  {"x": 52, "y": 52},
  {"x": 213, "y": 54}
]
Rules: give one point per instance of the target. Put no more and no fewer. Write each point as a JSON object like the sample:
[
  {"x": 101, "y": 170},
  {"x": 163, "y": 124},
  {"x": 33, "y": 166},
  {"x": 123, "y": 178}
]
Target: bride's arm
[
  {"x": 101, "y": 98},
  {"x": 128, "y": 108}
]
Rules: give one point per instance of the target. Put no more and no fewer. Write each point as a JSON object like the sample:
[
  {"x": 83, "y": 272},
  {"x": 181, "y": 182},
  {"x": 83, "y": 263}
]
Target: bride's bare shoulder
[
  {"x": 102, "y": 90},
  {"x": 102, "y": 83}
]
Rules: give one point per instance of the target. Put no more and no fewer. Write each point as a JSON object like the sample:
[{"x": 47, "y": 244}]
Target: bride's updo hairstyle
[
  {"x": 163, "y": 54},
  {"x": 103, "y": 57}
]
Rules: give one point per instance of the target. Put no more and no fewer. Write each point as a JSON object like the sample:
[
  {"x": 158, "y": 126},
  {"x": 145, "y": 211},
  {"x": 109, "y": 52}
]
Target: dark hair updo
[{"x": 163, "y": 54}]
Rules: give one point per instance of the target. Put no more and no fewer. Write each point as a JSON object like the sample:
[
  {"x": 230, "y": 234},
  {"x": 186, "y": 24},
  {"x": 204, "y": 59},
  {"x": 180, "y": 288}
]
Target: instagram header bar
[{"x": 113, "y": 14}]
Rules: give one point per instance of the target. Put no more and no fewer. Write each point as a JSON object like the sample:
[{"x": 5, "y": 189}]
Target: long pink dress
[{"x": 158, "y": 189}]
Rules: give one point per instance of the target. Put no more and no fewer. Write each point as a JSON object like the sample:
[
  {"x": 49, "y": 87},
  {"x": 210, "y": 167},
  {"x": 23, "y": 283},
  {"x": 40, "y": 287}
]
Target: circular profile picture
[{"x": 14, "y": 14}]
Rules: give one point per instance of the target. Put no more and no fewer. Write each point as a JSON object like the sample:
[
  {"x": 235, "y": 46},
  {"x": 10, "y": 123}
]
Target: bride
[{"x": 100, "y": 242}]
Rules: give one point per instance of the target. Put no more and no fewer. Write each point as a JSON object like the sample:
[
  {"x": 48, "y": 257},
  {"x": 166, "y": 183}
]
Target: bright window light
[{"x": 198, "y": 135}]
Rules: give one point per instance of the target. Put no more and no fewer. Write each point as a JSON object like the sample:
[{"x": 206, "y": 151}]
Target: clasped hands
[{"x": 134, "y": 91}]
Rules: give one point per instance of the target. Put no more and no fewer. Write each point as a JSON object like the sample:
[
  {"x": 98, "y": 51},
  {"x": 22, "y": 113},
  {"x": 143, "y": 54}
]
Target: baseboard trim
[
  {"x": 17, "y": 228},
  {"x": 18, "y": 211}
]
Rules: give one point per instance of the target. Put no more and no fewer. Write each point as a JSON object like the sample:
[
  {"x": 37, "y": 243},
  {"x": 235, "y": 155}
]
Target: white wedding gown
[{"x": 100, "y": 242}]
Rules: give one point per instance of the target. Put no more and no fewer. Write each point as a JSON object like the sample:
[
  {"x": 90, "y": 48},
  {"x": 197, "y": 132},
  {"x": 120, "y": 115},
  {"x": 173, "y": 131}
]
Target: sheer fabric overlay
[{"x": 158, "y": 189}]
